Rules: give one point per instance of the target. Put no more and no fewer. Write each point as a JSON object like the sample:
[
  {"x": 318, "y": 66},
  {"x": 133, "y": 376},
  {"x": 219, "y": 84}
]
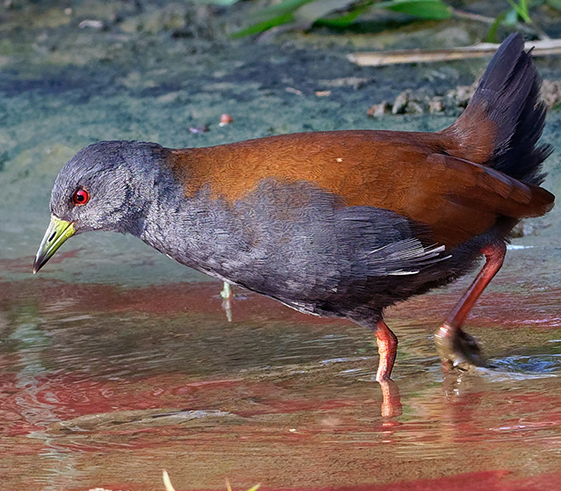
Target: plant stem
[{"x": 528, "y": 28}]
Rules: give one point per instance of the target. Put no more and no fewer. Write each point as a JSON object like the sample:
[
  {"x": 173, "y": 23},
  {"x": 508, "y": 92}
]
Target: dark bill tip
[{"x": 57, "y": 233}]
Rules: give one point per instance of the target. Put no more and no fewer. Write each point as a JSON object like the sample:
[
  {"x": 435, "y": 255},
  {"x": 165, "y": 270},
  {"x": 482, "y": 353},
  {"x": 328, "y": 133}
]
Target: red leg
[
  {"x": 387, "y": 349},
  {"x": 391, "y": 401},
  {"x": 455, "y": 347}
]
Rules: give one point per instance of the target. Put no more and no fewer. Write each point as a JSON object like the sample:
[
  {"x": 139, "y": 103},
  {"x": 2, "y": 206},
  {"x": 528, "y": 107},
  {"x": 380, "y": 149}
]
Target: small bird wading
[{"x": 336, "y": 224}]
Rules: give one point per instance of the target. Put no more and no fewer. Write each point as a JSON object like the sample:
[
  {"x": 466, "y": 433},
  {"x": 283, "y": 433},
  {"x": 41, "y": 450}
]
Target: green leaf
[
  {"x": 320, "y": 8},
  {"x": 492, "y": 34},
  {"x": 263, "y": 26},
  {"x": 343, "y": 20},
  {"x": 311, "y": 11},
  {"x": 424, "y": 9}
]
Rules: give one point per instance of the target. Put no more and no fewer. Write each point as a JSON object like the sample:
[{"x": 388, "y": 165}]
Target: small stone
[
  {"x": 415, "y": 107},
  {"x": 436, "y": 105},
  {"x": 462, "y": 94},
  {"x": 400, "y": 103},
  {"x": 225, "y": 119},
  {"x": 551, "y": 92},
  {"x": 292, "y": 90},
  {"x": 378, "y": 110},
  {"x": 93, "y": 24},
  {"x": 354, "y": 82},
  {"x": 198, "y": 129}
]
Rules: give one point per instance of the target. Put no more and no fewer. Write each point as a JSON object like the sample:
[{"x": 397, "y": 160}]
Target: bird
[{"x": 333, "y": 223}]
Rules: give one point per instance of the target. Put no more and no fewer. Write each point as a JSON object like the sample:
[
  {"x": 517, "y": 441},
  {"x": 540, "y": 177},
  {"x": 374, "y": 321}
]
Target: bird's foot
[{"x": 457, "y": 349}]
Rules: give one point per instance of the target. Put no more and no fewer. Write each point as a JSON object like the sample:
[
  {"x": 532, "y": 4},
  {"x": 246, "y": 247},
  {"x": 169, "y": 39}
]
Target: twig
[
  {"x": 382, "y": 58},
  {"x": 462, "y": 14}
]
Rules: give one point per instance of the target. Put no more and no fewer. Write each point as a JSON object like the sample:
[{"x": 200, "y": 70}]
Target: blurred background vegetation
[
  {"x": 243, "y": 18},
  {"x": 340, "y": 14}
]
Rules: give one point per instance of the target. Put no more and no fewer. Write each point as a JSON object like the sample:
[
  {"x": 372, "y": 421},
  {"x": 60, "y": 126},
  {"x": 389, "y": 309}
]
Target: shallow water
[
  {"x": 105, "y": 385},
  {"x": 116, "y": 363}
]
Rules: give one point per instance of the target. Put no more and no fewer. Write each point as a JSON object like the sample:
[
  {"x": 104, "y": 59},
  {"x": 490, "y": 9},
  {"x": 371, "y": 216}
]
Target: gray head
[
  {"x": 98, "y": 188},
  {"x": 105, "y": 186}
]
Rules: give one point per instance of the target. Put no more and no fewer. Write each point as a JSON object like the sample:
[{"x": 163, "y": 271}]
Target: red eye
[{"x": 80, "y": 197}]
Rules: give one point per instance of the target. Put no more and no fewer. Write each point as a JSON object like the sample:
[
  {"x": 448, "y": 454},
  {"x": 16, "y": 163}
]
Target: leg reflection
[{"x": 391, "y": 401}]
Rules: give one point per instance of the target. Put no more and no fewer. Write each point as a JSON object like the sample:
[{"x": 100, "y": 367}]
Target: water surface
[{"x": 116, "y": 363}]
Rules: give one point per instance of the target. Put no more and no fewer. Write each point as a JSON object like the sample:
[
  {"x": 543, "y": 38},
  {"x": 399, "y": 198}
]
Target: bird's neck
[{"x": 198, "y": 232}]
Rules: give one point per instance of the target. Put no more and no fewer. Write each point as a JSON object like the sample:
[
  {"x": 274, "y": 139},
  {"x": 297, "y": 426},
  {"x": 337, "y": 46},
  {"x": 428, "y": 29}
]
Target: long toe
[{"x": 457, "y": 349}]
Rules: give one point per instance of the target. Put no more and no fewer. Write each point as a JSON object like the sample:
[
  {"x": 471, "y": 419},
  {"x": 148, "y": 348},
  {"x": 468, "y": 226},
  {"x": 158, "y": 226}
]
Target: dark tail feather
[{"x": 506, "y": 103}]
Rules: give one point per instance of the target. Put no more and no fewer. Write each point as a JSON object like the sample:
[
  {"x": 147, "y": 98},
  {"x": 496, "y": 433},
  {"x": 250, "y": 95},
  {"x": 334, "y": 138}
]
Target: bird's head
[{"x": 100, "y": 189}]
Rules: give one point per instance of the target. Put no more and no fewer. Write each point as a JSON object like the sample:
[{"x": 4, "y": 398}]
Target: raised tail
[{"x": 504, "y": 120}]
